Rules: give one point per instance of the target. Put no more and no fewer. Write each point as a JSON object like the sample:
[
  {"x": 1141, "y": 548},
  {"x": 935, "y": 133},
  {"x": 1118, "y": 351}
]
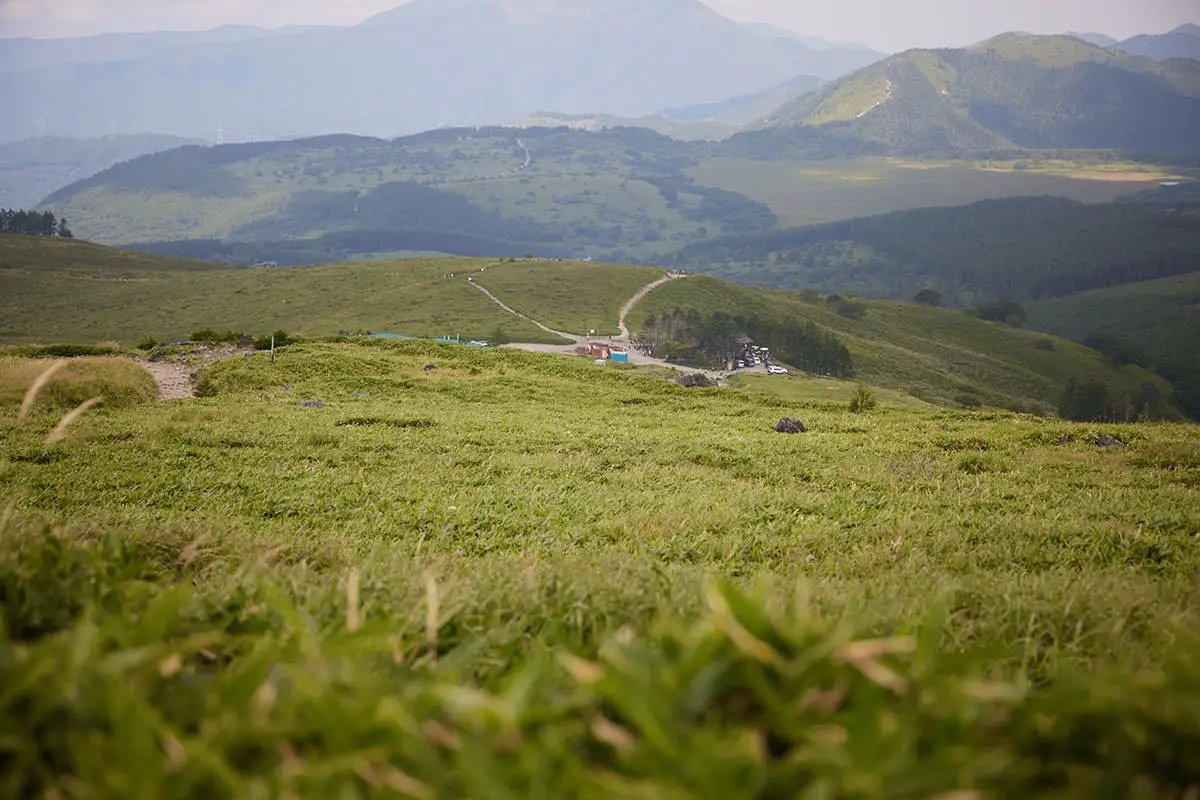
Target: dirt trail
[
  {"x": 174, "y": 380},
  {"x": 635, "y": 357},
  {"x": 633, "y": 301},
  {"x": 174, "y": 377}
]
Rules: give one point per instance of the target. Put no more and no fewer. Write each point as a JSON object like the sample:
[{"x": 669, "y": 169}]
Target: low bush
[{"x": 862, "y": 400}]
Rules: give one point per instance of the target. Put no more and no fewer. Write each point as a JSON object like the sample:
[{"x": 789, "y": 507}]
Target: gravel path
[{"x": 174, "y": 380}]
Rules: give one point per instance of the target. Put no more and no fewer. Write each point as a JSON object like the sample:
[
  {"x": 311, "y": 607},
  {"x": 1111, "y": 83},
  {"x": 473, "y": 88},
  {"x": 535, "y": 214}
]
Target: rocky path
[{"x": 174, "y": 380}]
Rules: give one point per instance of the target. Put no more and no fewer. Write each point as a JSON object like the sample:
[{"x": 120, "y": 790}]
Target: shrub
[
  {"x": 148, "y": 343},
  {"x": 967, "y": 400},
  {"x": 928, "y": 297},
  {"x": 862, "y": 400},
  {"x": 205, "y": 335},
  {"x": 281, "y": 340}
]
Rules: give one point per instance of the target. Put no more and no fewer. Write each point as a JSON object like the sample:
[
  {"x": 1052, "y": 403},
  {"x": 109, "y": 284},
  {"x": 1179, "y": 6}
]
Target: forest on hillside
[{"x": 1015, "y": 249}]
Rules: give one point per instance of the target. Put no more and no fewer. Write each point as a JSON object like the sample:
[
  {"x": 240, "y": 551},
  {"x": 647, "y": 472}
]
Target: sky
[{"x": 890, "y": 25}]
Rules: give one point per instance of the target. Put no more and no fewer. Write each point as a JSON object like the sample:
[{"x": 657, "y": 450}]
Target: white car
[{"x": 776, "y": 370}]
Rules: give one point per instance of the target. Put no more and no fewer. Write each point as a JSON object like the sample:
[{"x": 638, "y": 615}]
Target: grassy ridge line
[
  {"x": 493, "y": 576},
  {"x": 118, "y": 299},
  {"x": 51, "y": 254},
  {"x": 931, "y": 353}
]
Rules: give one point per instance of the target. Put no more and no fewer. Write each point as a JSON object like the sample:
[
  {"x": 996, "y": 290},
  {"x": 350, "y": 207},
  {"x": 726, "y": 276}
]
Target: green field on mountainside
[
  {"x": 812, "y": 192},
  {"x": 1162, "y": 316},
  {"x": 56, "y": 290},
  {"x": 934, "y": 354},
  {"x": 530, "y": 576}
]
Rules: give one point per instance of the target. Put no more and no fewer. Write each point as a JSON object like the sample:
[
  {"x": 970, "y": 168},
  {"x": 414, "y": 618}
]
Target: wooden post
[{"x": 272, "y": 348}]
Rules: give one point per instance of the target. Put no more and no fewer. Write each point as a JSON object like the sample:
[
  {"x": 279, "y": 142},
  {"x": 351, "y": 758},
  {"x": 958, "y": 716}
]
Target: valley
[{"x": 599, "y": 399}]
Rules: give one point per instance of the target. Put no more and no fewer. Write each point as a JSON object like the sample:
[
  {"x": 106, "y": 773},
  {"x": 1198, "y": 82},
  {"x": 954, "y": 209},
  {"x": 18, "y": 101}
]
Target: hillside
[
  {"x": 32, "y": 169},
  {"x": 489, "y": 191},
  {"x": 1160, "y": 319},
  {"x": 1015, "y": 249},
  {"x": 1010, "y": 92},
  {"x": 934, "y": 354},
  {"x": 481, "y": 62},
  {"x": 1183, "y": 42},
  {"x": 346, "y": 574}
]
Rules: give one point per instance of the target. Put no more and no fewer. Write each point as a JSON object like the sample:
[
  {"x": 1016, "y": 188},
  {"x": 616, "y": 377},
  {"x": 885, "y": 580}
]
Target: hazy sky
[{"x": 886, "y": 24}]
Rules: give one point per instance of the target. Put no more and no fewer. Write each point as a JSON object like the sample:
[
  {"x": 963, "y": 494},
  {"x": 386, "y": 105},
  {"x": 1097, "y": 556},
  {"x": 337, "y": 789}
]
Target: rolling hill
[
  {"x": 1012, "y": 92},
  {"x": 64, "y": 291},
  {"x": 32, "y": 169},
  {"x": 426, "y": 64},
  {"x": 490, "y": 191}
]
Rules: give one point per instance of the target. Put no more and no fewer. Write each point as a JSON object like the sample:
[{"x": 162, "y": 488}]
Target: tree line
[
  {"x": 33, "y": 223},
  {"x": 716, "y": 340}
]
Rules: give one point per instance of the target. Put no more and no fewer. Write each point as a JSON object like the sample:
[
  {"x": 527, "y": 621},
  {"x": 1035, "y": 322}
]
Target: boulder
[
  {"x": 1065, "y": 440},
  {"x": 313, "y": 404},
  {"x": 1109, "y": 441},
  {"x": 697, "y": 380},
  {"x": 789, "y": 425}
]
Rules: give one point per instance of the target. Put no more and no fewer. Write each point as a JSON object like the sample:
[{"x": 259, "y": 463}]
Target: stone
[
  {"x": 1065, "y": 440},
  {"x": 313, "y": 404},
  {"x": 430, "y": 367},
  {"x": 789, "y": 425},
  {"x": 697, "y": 380},
  {"x": 1109, "y": 441}
]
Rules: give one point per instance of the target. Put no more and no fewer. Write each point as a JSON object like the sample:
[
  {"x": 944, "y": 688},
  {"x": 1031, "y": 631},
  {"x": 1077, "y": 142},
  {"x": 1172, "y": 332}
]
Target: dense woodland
[
  {"x": 1015, "y": 249},
  {"x": 33, "y": 223}
]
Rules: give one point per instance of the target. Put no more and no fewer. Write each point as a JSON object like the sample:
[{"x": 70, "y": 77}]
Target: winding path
[{"x": 635, "y": 357}]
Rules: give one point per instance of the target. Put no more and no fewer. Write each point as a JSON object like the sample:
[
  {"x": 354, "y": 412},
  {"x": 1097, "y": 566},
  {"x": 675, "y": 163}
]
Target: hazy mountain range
[
  {"x": 1013, "y": 92},
  {"x": 426, "y": 64}
]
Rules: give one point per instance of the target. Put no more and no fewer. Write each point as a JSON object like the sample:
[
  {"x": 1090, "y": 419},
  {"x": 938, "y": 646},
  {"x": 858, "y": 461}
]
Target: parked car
[{"x": 775, "y": 369}]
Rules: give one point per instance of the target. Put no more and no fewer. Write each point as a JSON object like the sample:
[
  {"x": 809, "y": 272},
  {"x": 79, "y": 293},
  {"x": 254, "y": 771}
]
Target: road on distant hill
[{"x": 624, "y": 339}]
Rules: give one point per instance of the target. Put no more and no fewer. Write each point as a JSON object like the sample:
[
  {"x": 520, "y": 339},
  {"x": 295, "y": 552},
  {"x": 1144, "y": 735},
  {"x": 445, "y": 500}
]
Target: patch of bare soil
[{"x": 174, "y": 374}]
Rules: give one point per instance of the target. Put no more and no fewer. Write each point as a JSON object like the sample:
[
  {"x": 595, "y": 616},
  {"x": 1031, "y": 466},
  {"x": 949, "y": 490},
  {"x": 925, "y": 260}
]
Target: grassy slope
[
  {"x": 569, "y": 297},
  {"x": 572, "y": 179},
  {"x": 260, "y": 605},
  {"x": 97, "y": 294},
  {"x": 1162, "y": 316},
  {"x": 812, "y": 192},
  {"x": 931, "y": 353}
]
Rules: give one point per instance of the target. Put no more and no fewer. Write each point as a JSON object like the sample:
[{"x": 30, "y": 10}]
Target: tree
[
  {"x": 64, "y": 231},
  {"x": 928, "y": 297}
]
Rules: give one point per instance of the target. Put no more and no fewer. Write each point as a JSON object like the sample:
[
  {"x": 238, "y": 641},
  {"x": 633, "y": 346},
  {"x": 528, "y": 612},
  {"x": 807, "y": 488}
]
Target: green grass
[
  {"x": 504, "y": 577},
  {"x": 75, "y": 292},
  {"x": 933, "y": 354},
  {"x": 121, "y": 383},
  {"x": 1162, "y": 316},
  {"x": 812, "y": 192},
  {"x": 565, "y": 296}
]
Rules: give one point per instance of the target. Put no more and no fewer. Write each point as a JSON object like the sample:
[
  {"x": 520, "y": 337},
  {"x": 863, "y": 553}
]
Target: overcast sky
[{"x": 885, "y": 24}]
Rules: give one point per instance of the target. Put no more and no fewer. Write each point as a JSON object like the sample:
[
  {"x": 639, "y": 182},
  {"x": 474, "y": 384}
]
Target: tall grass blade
[
  {"x": 60, "y": 430},
  {"x": 36, "y": 388}
]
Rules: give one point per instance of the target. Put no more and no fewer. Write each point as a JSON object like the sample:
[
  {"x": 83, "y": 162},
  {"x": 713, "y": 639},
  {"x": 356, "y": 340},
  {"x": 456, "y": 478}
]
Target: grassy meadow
[
  {"x": 813, "y": 192},
  {"x": 517, "y": 575},
  {"x": 56, "y": 290}
]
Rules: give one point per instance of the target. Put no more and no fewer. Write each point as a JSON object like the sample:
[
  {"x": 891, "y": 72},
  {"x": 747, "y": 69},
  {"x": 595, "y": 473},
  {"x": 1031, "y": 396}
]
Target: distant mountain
[
  {"x": 32, "y": 169},
  {"x": 615, "y": 193},
  {"x": 426, "y": 64},
  {"x": 746, "y": 108},
  {"x": 21, "y": 54},
  {"x": 1013, "y": 92},
  {"x": 1183, "y": 42},
  {"x": 1098, "y": 39},
  {"x": 769, "y": 31}
]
